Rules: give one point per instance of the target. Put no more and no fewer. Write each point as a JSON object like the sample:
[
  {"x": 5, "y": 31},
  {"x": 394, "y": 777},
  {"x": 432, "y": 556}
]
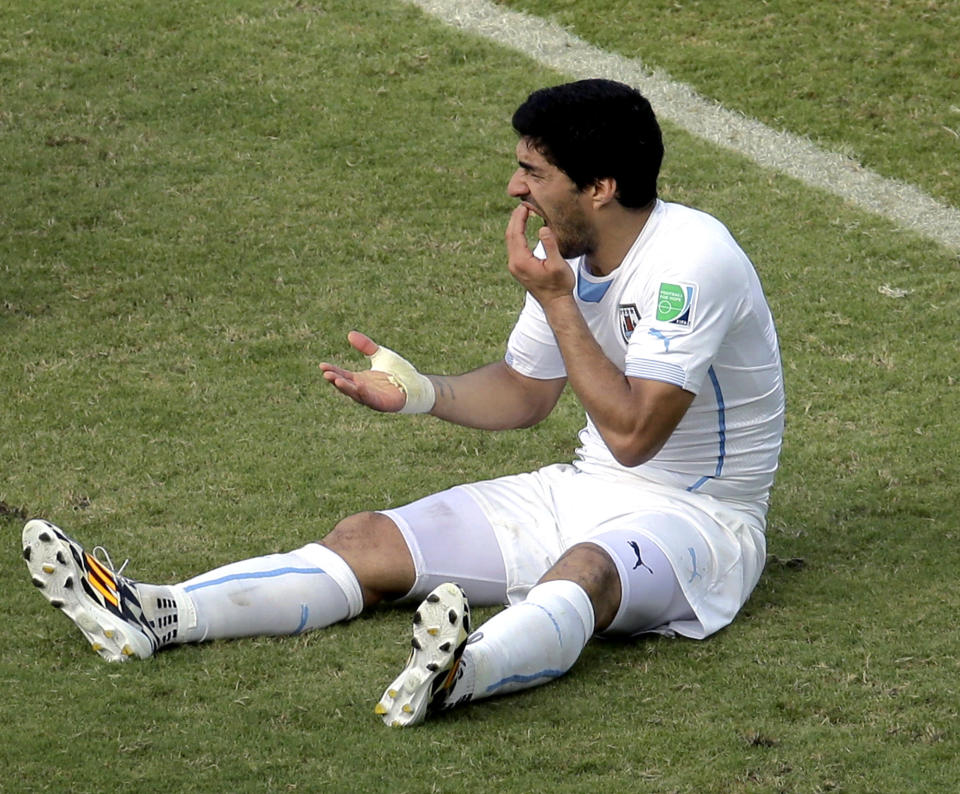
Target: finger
[
  {"x": 332, "y": 370},
  {"x": 516, "y": 234},
  {"x": 549, "y": 240},
  {"x": 344, "y": 385},
  {"x": 362, "y": 343}
]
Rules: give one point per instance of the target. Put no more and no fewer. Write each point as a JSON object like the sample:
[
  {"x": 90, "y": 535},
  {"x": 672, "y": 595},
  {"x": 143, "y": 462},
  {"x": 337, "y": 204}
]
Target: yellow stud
[
  {"x": 407, "y": 708},
  {"x": 48, "y": 569},
  {"x": 127, "y": 650},
  {"x": 380, "y": 709},
  {"x": 96, "y": 646},
  {"x": 433, "y": 632},
  {"x": 392, "y": 692},
  {"x": 108, "y": 634}
]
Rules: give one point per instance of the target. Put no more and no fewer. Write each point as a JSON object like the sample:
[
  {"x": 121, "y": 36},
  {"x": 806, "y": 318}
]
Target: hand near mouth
[{"x": 544, "y": 278}]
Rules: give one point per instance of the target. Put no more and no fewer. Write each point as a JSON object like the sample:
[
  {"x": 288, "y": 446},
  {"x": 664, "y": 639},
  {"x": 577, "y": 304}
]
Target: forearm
[
  {"x": 493, "y": 397},
  {"x": 633, "y": 422}
]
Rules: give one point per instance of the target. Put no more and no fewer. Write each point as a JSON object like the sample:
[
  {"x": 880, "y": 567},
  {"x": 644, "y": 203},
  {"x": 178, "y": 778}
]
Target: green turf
[
  {"x": 200, "y": 199},
  {"x": 872, "y": 80}
]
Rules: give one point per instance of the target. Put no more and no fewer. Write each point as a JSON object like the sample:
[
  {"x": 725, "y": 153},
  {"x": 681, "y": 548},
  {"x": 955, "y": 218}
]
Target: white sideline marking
[{"x": 552, "y": 46}]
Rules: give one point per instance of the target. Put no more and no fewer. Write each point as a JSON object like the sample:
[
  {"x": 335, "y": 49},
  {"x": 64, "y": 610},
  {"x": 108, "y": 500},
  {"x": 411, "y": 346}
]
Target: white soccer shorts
[{"x": 496, "y": 538}]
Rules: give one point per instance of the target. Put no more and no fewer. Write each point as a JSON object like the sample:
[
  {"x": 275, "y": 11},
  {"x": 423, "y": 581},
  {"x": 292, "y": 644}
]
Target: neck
[{"x": 617, "y": 231}]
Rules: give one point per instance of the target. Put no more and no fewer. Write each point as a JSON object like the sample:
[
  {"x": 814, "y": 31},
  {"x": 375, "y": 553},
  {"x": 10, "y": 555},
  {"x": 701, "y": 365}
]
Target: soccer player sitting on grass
[{"x": 656, "y": 319}]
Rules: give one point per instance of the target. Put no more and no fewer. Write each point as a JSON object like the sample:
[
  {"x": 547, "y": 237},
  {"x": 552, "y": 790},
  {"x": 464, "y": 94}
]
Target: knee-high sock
[
  {"x": 528, "y": 644},
  {"x": 304, "y": 589}
]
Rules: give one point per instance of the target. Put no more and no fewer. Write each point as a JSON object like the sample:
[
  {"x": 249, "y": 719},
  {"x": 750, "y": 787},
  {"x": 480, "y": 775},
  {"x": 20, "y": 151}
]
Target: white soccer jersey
[{"x": 685, "y": 307}]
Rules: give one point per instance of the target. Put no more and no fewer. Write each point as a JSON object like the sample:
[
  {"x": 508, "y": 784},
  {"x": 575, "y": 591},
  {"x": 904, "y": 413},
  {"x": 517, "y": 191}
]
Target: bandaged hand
[
  {"x": 418, "y": 388},
  {"x": 392, "y": 384}
]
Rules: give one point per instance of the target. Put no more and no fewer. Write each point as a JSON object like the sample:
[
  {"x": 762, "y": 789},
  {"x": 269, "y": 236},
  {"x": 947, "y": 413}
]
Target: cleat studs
[
  {"x": 417, "y": 618},
  {"x": 379, "y": 709},
  {"x": 414, "y": 642},
  {"x": 395, "y": 724},
  {"x": 407, "y": 708},
  {"x": 126, "y": 650},
  {"x": 433, "y": 632},
  {"x": 453, "y": 617},
  {"x": 61, "y": 559},
  {"x": 433, "y": 667},
  {"x": 26, "y": 553},
  {"x": 45, "y": 537},
  {"x": 57, "y": 604},
  {"x": 108, "y": 633},
  {"x": 392, "y": 693},
  {"x": 433, "y": 598},
  {"x": 37, "y": 582},
  {"x": 96, "y": 646},
  {"x": 48, "y": 569},
  {"x": 445, "y": 647},
  {"x": 68, "y": 583}
]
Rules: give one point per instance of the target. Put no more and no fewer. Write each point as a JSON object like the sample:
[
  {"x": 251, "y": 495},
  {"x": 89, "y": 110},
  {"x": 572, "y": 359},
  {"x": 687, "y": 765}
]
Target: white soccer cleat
[
  {"x": 102, "y": 603},
  {"x": 441, "y": 626}
]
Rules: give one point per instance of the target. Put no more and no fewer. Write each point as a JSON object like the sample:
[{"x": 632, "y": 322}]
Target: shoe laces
[{"x": 104, "y": 558}]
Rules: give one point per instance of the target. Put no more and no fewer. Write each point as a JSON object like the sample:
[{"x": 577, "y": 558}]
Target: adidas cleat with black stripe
[
  {"x": 441, "y": 627},
  {"x": 103, "y": 604}
]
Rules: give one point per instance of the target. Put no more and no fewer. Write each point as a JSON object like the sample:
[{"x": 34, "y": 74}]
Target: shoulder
[
  {"x": 692, "y": 226},
  {"x": 689, "y": 239}
]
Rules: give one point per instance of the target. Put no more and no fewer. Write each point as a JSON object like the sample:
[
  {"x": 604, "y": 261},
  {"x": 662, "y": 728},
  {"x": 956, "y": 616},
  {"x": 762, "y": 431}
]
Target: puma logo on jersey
[
  {"x": 636, "y": 550},
  {"x": 663, "y": 338}
]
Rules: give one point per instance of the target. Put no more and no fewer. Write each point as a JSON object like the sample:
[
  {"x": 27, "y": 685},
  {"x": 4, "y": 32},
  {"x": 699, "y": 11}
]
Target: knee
[
  {"x": 374, "y": 548},
  {"x": 591, "y": 567},
  {"x": 360, "y": 529}
]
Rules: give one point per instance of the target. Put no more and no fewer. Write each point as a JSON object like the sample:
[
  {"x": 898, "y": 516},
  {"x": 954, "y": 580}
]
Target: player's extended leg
[{"x": 308, "y": 588}]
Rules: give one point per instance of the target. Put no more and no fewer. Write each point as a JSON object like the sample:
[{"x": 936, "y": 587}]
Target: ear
[{"x": 603, "y": 191}]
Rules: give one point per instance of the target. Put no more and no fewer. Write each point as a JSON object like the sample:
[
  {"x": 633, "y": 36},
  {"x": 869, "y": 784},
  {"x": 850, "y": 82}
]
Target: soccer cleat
[
  {"x": 441, "y": 626},
  {"x": 102, "y": 603}
]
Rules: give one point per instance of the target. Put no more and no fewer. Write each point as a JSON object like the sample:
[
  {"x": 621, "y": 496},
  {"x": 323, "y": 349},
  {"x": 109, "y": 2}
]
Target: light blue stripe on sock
[
  {"x": 253, "y": 575},
  {"x": 524, "y": 679},
  {"x": 304, "y": 615}
]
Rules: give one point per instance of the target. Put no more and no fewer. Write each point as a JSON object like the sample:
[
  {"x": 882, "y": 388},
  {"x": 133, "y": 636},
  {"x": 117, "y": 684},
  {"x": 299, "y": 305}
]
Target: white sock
[
  {"x": 528, "y": 644},
  {"x": 278, "y": 594}
]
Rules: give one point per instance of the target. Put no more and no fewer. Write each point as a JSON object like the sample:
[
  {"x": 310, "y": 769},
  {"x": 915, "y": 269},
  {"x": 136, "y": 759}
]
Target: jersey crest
[{"x": 629, "y": 318}]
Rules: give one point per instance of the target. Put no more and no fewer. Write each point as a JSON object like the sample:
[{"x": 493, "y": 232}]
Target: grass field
[{"x": 200, "y": 199}]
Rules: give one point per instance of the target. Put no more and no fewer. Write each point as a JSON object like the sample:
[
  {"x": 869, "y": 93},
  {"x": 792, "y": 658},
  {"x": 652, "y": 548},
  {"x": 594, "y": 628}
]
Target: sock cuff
[
  {"x": 187, "y": 610},
  {"x": 568, "y": 591},
  {"x": 337, "y": 569}
]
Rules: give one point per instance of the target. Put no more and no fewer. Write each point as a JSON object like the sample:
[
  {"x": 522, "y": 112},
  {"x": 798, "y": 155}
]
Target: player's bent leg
[
  {"x": 593, "y": 569},
  {"x": 649, "y": 593},
  {"x": 441, "y": 626},
  {"x": 526, "y": 645},
  {"x": 542, "y": 637}
]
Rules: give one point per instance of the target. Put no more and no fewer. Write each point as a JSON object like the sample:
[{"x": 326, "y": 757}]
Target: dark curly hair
[{"x": 593, "y": 129}]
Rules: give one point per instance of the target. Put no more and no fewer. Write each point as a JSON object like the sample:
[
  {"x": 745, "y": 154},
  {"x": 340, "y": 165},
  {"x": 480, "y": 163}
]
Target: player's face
[{"x": 552, "y": 195}]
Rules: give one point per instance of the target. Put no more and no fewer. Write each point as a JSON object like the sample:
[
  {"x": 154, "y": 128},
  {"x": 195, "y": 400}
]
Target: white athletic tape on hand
[{"x": 418, "y": 388}]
